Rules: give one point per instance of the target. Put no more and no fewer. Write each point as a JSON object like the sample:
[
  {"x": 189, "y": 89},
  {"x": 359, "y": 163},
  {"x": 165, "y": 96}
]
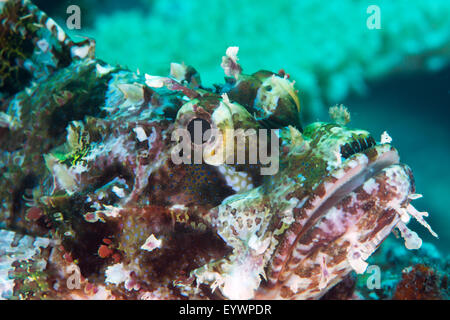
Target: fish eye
[{"x": 199, "y": 123}]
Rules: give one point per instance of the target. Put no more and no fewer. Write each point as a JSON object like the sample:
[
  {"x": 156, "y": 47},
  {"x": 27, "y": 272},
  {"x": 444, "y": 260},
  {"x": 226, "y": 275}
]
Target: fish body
[{"x": 94, "y": 204}]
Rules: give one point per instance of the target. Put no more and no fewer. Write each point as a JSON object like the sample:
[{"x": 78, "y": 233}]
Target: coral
[
  {"x": 421, "y": 282},
  {"x": 405, "y": 274}
]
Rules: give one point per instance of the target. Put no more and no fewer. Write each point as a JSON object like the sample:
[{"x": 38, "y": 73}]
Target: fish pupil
[{"x": 204, "y": 127}]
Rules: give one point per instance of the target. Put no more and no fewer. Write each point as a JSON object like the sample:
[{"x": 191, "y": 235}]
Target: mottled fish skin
[
  {"x": 89, "y": 187},
  {"x": 306, "y": 228}
]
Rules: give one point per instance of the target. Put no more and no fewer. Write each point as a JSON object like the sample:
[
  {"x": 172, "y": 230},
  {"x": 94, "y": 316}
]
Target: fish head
[
  {"x": 350, "y": 192},
  {"x": 337, "y": 196}
]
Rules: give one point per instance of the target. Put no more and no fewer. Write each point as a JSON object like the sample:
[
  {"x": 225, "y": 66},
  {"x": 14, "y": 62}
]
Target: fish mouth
[
  {"x": 353, "y": 173},
  {"x": 333, "y": 217}
]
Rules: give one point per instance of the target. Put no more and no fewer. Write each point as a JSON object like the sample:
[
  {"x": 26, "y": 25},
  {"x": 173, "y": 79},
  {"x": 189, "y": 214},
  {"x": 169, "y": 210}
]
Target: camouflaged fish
[{"x": 94, "y": 207}]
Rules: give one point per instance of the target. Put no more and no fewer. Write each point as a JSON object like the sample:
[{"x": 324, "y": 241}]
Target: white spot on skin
[
  {"x": 43, "y": 45},
  {"x": 371, "y": 186},
  {"x": 352, "y": 163},
  {"x": 339, "y": 173},
  {"x": 357, "y": 262},
  {"x": 336, "y": 130},
  {"x": 404, "y": 216},
  {"x": 232, "y": 53},
  {"x": 80, "y": 52},
  {"x": 385, "y": 138},
  {"x": 240, "y": 283},
  {"x": 154, "y": 81},
  {"x": 140, "y": 134},
  {"x": 178, "y": 207},
  {"x": 357, "y": 254},
  {"x": 399, "y": 180},
  {"x": 117, "y": 274},
  {"x": 324, "y": 275},
  {"x": 178, "y": 71},
  {"x": 225, "y": 99},
  {"x": 239, "y": 181},
  {"x": 62, "y": 175},
  {"x": 118, "y": 191},
  {"x": 335, "y": 215},
  {"x": 103, "y": 70},
  {"x": 151, "y": 243},
  {"x": 111, "y": 211},
  {"x": 338, "y": 156},
  {"x": 152, "y": 138},
  {"x": 258, "y": 245},
  {"x": 59, "y": 32},
  {"x": 229, "y": 62},
  {"x": 295, "y": 283}
]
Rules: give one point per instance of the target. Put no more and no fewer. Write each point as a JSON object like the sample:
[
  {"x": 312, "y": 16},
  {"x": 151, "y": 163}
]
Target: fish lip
[
  {"x": 356, "y": 171},
  {"x": 353, "y": 173}
]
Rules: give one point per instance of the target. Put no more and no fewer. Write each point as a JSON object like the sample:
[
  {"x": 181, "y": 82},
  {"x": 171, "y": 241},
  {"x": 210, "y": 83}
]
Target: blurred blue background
[{"x": 396, "y": 78}]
